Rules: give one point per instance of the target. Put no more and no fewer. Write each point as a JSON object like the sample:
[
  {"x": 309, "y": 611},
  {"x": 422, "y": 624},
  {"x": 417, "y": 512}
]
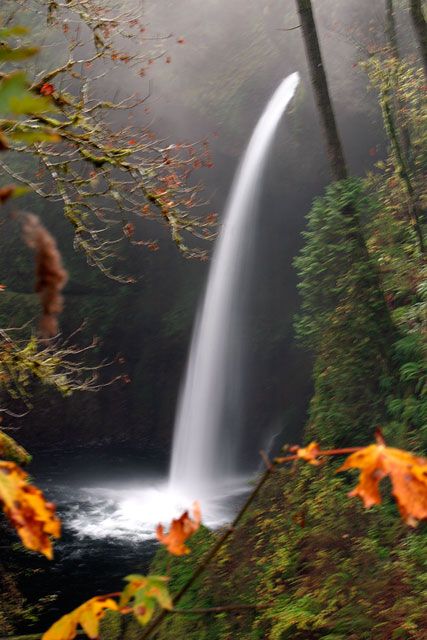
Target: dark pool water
[{"x": 109, "y": 503}]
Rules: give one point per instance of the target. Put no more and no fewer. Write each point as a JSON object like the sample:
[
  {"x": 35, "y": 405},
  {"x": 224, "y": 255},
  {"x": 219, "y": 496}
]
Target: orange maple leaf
[
  {"x": 87, "y": 616},
  {"x": 408, "y": 475},
  {"x": 309, "y": 453},
  {"x": 25, "y": 506},
  {"x": 180, "y": 530}
]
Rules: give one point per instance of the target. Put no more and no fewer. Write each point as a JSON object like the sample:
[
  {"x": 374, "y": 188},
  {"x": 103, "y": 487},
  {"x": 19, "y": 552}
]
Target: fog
[{"x": 214, "y": 66}]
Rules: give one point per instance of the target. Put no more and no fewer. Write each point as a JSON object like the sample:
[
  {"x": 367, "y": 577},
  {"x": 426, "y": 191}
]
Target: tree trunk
[
  {"x": 339, "y": 167},
  {"x": 320, "y": 86},
  {"x": 420, "y": 27},
  {"x": 402, "y": 167},
  {"x": 391, "y": 28},
  {"x": 393, "y": 45},
  {"x": 392, "y": 108}
]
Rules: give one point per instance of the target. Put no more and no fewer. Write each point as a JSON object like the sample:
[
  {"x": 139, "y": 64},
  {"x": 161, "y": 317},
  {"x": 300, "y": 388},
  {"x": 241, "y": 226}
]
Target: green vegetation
[
  {"x": 305, "y": 562},
  {"x": 339, "y": 320},
  {"x": 325, "y": 568}
]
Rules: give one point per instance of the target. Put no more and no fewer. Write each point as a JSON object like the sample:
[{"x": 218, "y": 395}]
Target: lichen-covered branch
[
  {"x": 87, "y": 154},
  {"x": 56, "y": 363}
]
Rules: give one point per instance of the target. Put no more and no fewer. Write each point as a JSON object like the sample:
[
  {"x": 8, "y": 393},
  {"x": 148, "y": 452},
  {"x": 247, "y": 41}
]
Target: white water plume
[
  {"x": 130, "y": 512},
  {"x": 207, "y": 426}
]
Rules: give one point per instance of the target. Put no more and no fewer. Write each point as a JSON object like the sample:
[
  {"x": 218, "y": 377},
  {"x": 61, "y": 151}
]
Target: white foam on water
[{"x": 133, "y": 512}]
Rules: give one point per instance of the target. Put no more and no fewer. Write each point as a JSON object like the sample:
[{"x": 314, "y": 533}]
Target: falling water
[{"x": 207, "y": 424}]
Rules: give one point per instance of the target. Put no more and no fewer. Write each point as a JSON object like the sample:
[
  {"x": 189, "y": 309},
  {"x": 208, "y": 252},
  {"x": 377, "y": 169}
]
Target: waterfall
[{"x": 207, "y": 424}]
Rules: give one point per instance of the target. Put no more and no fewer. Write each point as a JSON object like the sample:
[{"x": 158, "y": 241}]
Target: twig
[
  {"x": 230, "y": 607},
  {"x": 319, "y": 453},
  {"x": 298, "y": 26},
  {"x": 265, "y": 459}
]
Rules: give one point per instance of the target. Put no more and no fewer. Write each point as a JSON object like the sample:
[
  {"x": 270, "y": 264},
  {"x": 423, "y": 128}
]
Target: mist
[{"x": 214, "y": 65}]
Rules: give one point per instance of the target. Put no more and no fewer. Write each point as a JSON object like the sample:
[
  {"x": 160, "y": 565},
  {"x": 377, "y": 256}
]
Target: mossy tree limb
[
  {"x": 420, "y": 27},
  {"x": 321, "y": 90}
]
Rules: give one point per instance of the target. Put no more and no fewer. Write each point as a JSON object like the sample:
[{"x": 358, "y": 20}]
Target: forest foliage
[{"x": 322, "y": 566}]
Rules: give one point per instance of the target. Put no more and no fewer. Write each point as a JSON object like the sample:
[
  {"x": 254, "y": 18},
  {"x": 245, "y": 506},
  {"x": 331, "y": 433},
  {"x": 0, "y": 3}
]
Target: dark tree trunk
[
  {"x": 339, "y": 167},
  {"x": 398, "y": 133},
  {"x": 393, "y": 45},
  {"x": 391, "y": 28},
  {"x": 402, "y": 165},
  {"x": 420, "y": 27},
  {"x": 320, "y": 86}
]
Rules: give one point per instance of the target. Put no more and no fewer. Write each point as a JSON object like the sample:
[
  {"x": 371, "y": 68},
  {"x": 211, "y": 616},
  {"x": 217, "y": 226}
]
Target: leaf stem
[{"x": 231, "y": 607}]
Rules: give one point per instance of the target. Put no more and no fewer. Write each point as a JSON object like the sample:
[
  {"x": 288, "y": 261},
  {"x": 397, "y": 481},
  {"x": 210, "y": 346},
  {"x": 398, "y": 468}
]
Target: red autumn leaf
[
  {"x": 180, "y": 530},
  {"x": 211, "y": 218},
  {"x": 129, "y": 229},
  {"x": 47, "y": 89},
  {"x": 6, "y": 192}
]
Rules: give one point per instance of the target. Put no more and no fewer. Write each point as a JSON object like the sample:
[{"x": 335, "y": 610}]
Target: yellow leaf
[
  {"x": 309, "y": 453},
  {"x": 408, "y": 475},
  {"x": 91, "y": 613},
  {"x": 63, "y": 629},
  {"x": 88, "y": 616},
  {"x": 25, "y": 506},
  {"x": 11, "y": 450}
]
